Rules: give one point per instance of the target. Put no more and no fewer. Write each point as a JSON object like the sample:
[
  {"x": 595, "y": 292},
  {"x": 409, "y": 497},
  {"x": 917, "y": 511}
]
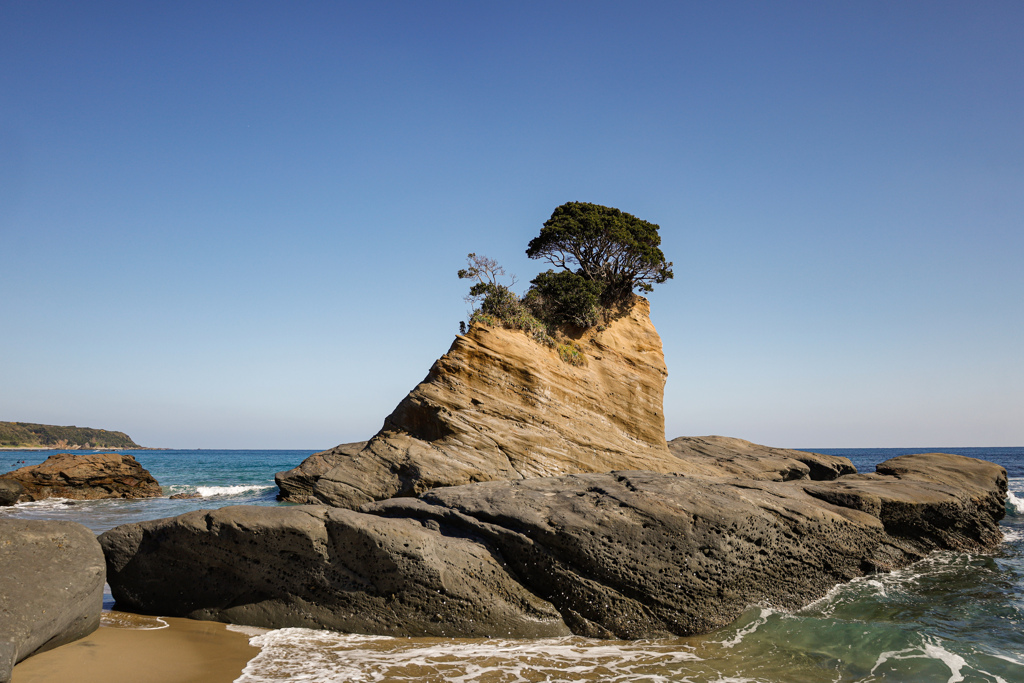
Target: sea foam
[
  {"x": 220, "y": 491},
  {"x": 313, "y": 656},
  {"x": 930, "y": 649},
  {"x": 1014, "y": 505}
]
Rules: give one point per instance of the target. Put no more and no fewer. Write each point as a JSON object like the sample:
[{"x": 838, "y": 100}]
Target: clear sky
[{"x": 237, "y": 224}]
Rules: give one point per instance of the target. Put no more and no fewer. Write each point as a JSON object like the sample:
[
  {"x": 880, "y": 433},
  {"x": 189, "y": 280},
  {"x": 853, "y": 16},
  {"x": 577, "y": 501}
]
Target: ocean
[{"x": 951, "y": 617}]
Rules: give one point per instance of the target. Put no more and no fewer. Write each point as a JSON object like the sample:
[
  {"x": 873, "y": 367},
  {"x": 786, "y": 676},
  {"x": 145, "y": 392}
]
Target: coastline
[
  {"x": 79, "y": 448},
  {"x": 130, "y": 647}
]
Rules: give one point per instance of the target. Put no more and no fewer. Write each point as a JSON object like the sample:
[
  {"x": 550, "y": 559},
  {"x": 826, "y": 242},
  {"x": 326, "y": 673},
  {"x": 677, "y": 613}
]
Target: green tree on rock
[{"x": 603, "y": 244}]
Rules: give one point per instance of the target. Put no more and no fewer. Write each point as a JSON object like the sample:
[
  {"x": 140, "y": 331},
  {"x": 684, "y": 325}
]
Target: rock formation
[
  {"x": 620, "y": 554},
  {"x": 487, "y": 506},
  {"x": 52, "y": 587},
  {"x": 10, "y": 492},
  {"x": 500, "y": 405},
  {"x": 297, "y": 484},
  {"x": 722, "y": 456},
  {"x": 321, "y": 567},
  {"x": 85, "y": 477}
]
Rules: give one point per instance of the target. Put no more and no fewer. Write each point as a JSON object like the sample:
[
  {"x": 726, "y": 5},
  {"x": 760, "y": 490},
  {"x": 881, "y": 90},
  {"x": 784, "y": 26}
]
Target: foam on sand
[{"x": 326, "y": 657}]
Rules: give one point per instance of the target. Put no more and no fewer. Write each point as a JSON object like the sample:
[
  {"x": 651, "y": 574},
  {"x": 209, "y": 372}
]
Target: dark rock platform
[{"x": 627, "y": 554}]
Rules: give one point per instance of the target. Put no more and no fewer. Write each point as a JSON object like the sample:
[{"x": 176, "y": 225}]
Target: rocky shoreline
[
  {"x": 511, "y": 494},
  {"x": 624, "y": 554}
]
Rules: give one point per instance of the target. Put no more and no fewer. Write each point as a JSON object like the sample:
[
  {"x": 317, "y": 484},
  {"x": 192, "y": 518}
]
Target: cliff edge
[{"x": 499, "y": 405}]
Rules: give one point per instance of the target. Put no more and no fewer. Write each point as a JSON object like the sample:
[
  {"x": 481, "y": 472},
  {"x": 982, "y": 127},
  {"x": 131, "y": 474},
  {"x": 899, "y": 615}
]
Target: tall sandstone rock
[{"x": 499, "y": 405}]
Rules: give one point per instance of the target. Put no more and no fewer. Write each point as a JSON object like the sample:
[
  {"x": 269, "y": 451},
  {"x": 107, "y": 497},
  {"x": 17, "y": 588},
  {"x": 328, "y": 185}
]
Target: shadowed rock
[
  {"x": 321, "y": 567},
  {"x": 622, "y": 554},
  {"x": 52, "y": 576},
  {"x": 10, "y": 491},
  {"x": 85, "y": 477}
]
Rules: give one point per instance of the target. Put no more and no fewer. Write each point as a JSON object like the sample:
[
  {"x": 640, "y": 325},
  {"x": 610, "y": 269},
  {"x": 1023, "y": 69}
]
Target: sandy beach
[{"x": 135, "y": 649}]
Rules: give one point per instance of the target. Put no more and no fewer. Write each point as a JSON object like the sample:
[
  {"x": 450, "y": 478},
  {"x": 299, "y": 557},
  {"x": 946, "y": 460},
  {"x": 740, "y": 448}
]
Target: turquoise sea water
[{"x": 952, "y": 617}]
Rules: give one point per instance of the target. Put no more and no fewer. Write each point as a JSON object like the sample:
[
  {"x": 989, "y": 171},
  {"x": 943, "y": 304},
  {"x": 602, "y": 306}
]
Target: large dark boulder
[
  {"x": 634, "y": 554},
  {"x": 51, "y": 587},
  {"x": 85, "y": 477},
  {"x": 10, "y": 491},
  {"x": 321, "y": 567},
  {"x": 622, "y": 554}
]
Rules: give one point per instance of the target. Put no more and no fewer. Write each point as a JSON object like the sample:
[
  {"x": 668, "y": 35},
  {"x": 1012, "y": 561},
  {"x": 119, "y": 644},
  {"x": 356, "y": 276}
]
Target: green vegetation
[
  {"x": 571, "y": 353},
  {"x": 29, "y": 435},
  {"x": 604, "y": 255},
  {"x": 565, "y": 299},
  {"x": 603, "y": 244}
]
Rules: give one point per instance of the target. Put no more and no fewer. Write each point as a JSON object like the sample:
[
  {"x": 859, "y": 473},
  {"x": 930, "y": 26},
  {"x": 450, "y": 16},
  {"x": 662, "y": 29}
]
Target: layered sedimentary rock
[
  {"x": 51, "y": 587},
  {"x": 500, "y": 405},
  {"x": 85, "y": 477},
  {"x": 623, "y": 554}
]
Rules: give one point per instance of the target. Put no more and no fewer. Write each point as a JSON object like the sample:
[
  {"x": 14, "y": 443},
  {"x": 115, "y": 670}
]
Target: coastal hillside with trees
[{"x": 30, "y": 435}]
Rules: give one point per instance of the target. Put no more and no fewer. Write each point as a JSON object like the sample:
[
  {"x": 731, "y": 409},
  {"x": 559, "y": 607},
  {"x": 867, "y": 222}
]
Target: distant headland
[{"x": 27, "y": 435}]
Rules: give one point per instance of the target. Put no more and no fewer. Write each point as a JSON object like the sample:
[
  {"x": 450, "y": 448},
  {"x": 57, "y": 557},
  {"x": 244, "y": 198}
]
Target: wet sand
[{"x": 131, "y": 649}]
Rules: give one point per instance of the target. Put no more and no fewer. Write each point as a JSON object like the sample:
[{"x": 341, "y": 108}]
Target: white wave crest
[
  {"x": 1012, "y": 535},
  {"x": 210, "y": 491},
  {"x": 1014, "y": 505},
  {"x": 48, "y": 504},
  {"x": 297, "y": 654}
]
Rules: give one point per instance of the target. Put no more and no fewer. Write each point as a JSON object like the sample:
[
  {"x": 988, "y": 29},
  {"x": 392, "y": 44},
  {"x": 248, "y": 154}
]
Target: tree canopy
[{"x": 603, "y": 244}]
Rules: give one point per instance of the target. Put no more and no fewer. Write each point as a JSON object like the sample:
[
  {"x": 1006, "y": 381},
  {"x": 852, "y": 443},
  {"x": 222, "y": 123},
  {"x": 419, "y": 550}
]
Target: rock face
[
  {"x": 10, "y": 491},
  {"x": 620, "y": 554},
  {"x": 85, "y": 477},
  {"x": 722, "y": 456},
  {"x": 51, "y": 591},
  {"x": 499, "y": 405},
  {"x": 296, "y": 485},
  {"x": 321, "y": 567}
]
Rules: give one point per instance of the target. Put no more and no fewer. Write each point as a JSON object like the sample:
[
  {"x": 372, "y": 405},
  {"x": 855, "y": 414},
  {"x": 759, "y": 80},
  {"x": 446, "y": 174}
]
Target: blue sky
[{"x": 238, "y": 224}]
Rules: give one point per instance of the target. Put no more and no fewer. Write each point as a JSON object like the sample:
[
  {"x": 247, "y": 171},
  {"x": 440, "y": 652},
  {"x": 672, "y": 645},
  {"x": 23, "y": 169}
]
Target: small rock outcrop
[
  {"x": 85, "y": 477},
  {"x": 621, "y": 554},
  {"x": 10, "y": 492},
  {"x": 722, "y": 456},
  {"x": 499, "y": 405},
  {"x": 296, "y": 485},
  {"x": 52, "y": 587}
]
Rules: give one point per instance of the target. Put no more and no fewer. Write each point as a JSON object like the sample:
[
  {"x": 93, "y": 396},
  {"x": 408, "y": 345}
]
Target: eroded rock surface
[
  {"x": 321, "y": 567},
  {"x": 85, "y": 477},
  {"x": 296, "y": 485},
  {"x": 621, "y": 554},
  {"x": 722, "y": 456},
  {"x": 499, "y": 405},
  {"x": 51, "y": 587}
]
